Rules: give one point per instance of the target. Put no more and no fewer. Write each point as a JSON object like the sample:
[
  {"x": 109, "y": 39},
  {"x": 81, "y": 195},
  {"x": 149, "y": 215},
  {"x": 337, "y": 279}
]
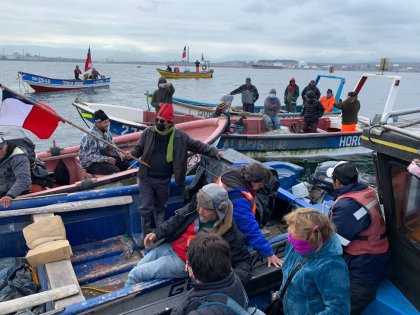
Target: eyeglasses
[{"x": 162, "y": 121}]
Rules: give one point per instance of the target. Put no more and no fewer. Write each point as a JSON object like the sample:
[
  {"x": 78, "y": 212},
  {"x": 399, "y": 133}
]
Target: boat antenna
[{"x": 53, "y": 113}]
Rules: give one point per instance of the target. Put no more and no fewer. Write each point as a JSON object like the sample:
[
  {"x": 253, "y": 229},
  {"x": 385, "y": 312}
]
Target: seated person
[
  {"x": 223, "y": 109},
  {"x": 95, "y": 156},
  {"x": 209, "y": 264},
  {"x": 15, "y": 172},
  {"x": 211, "y": 212},
  {"x": 168, "y": 68},
  {"x": 312, "y": 110},
  {"x": 328, "y": 101},
  {"x": 95, "y": 74},
  {"x": 271, "y": 111}
]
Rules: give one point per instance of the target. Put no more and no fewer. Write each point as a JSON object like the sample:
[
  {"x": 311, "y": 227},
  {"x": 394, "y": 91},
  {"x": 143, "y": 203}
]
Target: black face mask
[{"x": 160, "y": 126}]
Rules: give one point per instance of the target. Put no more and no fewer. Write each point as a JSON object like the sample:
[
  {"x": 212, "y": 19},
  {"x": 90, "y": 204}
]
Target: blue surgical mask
[{"x": 272, "y": 95}]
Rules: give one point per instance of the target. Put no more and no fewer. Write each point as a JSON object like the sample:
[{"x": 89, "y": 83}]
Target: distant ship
[{"x": 268, "y": 65}]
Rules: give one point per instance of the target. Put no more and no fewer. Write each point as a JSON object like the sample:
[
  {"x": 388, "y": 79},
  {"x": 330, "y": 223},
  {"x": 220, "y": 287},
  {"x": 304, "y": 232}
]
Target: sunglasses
[{"x": 162, "y": 121}]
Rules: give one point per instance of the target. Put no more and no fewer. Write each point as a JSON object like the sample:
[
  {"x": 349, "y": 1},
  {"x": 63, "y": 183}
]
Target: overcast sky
[{"x": 323, "y": 30}]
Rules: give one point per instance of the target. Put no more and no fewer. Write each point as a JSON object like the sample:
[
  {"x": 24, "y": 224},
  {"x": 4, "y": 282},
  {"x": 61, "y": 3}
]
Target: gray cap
[{"x": 213, "y": 197}]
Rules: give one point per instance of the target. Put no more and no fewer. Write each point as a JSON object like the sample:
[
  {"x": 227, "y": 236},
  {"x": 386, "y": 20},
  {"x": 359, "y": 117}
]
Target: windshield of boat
[{"x": 406, "y": 191}]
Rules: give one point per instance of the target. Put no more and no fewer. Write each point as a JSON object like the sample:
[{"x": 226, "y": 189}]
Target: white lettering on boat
[{"x": 349, "y": 141}]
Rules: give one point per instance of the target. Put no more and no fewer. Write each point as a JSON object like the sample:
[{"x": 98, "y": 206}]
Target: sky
[{"x": 224, "y": 30}]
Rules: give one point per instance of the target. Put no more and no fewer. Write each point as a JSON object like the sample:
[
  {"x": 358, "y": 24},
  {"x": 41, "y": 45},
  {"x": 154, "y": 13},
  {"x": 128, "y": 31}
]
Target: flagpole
[{"x": 71, "y": 123}]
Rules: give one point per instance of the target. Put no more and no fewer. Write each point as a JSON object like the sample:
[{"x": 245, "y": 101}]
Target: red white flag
[
  {"x": 184, "y": 53},
  {"x": 88, "y": 62},
  {"x": 15, "y": 111}
]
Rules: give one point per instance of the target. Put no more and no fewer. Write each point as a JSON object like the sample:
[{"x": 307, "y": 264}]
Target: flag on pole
[
  {"x": 16, "y": 111},
  {"x": 88, "y": 62},
  {"x": 184, "y": 53}
]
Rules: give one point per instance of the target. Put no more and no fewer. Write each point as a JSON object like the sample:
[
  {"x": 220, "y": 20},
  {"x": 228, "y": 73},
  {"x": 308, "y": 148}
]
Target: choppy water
[{"x": 129, "y": 83}]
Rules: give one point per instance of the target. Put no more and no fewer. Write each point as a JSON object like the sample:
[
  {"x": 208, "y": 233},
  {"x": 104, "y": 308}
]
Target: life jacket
[
  {"x": 246, "y": 194},
  {"x": 373, "y": 240},
  {"x": 181, "y": 243}
]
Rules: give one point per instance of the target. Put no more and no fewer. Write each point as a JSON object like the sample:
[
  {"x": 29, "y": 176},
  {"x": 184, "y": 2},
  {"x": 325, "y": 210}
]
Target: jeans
[
  {"x": 160, "y": 263},
  {"x": 269, "y": 121}
]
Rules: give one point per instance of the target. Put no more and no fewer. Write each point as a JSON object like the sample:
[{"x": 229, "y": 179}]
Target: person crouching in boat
[
  {"x": 165, "y": 148},
  {"x": 321, "y": 285},
  {"x": 312, "y": 110},
  {"x": 216, "y": 287},
  {"x": 209, "y": 212}
]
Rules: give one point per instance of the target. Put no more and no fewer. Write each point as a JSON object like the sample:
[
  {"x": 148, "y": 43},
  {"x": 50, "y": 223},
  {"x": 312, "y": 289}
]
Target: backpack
[{"x": 225, "y": 301}]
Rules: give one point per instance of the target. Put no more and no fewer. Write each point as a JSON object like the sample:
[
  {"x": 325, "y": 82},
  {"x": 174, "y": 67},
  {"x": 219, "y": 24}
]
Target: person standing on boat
[
  {"x": 311, "y": 112},
  {"x": 77, "y": 72},
  {"x": 291, "y": 94},
  {"x": 209, "y": 263},
  {"x": 165, "y": 148},
  {"x": 328, "y": 101},
  {"x": 311, "y": 87},
  {"x": 349, "y": 110},
  {"x": 15, "y": 172},
  {"x": 163, "y": 94},
  {"x": 168, "y": 68},
  {"x": 321, "y": 285},
  {"x": 95, "y": 156},
  {"x": 197, "y": 66},
  {"x": 271, "y": 111},
  {"x": 249, "y": 95},
  {"x": 362, "y": 231},
  {"x": 241, "y": 183},
  {"x": 210, "y": 211}
]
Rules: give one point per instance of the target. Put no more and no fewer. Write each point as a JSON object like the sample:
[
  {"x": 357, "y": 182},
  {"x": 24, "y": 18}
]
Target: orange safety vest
[
  {"x": 373, "y": 240},
  {"x": 246, "y": 194}
]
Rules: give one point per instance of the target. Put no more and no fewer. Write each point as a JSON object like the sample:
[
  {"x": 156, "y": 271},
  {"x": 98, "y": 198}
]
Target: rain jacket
[{"x": 322, "y": 285}]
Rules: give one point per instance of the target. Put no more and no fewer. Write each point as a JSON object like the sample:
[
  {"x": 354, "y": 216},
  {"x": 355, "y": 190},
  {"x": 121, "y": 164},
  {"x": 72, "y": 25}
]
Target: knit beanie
[
  {"x": 100, "y": 116},
  {"x": 166, "y": 112},
  {"x": 213, "y": 197}
]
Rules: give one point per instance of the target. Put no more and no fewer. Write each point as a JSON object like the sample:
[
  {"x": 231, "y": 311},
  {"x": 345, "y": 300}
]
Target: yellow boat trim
[
  {"x": 87, "y": 115},
  {"x": 392, "y": 145}
]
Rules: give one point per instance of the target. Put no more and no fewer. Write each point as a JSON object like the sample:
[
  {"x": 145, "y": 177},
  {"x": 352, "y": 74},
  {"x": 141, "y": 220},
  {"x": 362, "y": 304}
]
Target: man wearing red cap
[{"x": 165, "y": 148}]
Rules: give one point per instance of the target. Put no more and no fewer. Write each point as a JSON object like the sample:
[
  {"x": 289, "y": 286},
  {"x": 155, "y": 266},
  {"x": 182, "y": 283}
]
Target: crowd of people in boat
[
  {"x": 92, "y": 76},
  {"x": 332, "y": 264}
]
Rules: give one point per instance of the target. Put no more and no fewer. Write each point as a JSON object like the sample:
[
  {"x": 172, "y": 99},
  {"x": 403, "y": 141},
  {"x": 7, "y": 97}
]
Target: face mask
[
  {"x": 301, "y": 246},
  {"x": 160, "y": 126},
  {"x": 272, "y": 95},
  {"x": 162, "y": 85}
]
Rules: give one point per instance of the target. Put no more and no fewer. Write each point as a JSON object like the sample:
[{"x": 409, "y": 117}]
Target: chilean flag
[
  {"x": 184, "y": 52},
  {"x": 41, "y": 119},
  {"x": 88, "y": 62}
]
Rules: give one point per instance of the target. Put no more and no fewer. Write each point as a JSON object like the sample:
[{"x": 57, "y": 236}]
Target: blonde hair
[{"x": 314, "y": 226}]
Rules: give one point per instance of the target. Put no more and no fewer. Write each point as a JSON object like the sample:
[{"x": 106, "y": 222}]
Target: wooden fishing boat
[
  {"x": 208, "y": 131},
  {"x": 44, "y": 84},
  {"x": 124, "y": 119},
  {"x": 396, "y": 159},
  {"x": 103, "y": 228},
  {"x": 205, "y": 74}
]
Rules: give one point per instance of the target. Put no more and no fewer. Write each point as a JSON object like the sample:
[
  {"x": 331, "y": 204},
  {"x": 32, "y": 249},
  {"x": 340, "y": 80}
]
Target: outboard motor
[{"x": 321, "y": 180}]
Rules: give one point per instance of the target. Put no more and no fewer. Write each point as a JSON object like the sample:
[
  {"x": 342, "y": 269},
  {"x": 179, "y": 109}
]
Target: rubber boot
[
  {"x": 145, "y": 228},
  {"x": 159, "y": 218}
]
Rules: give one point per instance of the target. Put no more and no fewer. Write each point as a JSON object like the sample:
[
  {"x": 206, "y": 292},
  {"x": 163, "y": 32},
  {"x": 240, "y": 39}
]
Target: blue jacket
[
  {"x": 367, "y": 268},
  {"x": 322, "y": 285}
]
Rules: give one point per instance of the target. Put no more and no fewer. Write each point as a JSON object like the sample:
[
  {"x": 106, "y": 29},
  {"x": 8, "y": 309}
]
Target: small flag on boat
[
  {"x": 32, "y": 115},
  {"x": 88, "y": 62},
  {"x": 184, "y": 53}
]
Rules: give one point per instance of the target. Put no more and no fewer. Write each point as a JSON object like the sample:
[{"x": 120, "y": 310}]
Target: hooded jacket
[
  {"x": 322, "y": 285},
  {"x": 242, "y": 213},
  {"x": 272, "y": 105},
  {"x": 162, "y": 96},
  {"x": 312, "y": 110},
  {"x": 174, "y": 227},
  {"x": 182, "y": 144},
  {"x": 15, "y": 172}
]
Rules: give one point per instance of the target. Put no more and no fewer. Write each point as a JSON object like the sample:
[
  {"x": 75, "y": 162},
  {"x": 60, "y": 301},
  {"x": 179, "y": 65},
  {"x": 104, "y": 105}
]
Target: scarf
[{"x": 170, "y": 149}]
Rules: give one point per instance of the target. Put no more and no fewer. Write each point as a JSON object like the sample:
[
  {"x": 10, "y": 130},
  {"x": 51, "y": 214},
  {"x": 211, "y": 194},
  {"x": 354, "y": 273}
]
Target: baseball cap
[{"x": 345, "y": 172}]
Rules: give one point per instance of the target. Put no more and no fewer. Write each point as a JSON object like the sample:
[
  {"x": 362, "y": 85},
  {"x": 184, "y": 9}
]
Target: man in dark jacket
[
  {"x": 15, "y": 172},
  {"x": 163, "y": 94},
  {"x": 217, "y": 289},
  {"x": 361, "y": 228},
  {"x": 312, "y": 110},
  {"x": 165, "y": 149},
  {"x": 349, "y": 110},
  {"x": 311, "y": 87},
  {"x": 249, "y": 95},
  {"x": 291, "y": 94},
  {"x": 211, "y": 212}
]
